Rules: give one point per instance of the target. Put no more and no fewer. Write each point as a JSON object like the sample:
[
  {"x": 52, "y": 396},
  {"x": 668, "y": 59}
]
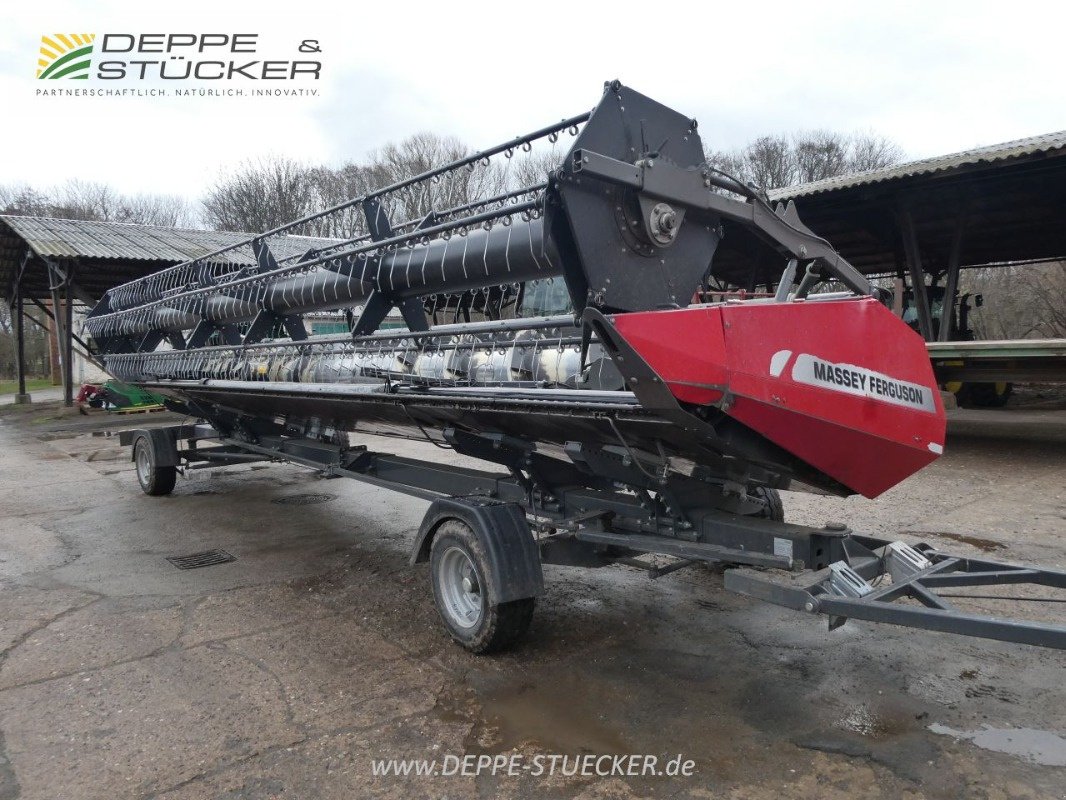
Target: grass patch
[{"x": 32, "y": 385}]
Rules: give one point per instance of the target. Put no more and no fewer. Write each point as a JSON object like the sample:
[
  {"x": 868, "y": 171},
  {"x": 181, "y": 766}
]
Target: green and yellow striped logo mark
[{"x": 65, "y": 55}]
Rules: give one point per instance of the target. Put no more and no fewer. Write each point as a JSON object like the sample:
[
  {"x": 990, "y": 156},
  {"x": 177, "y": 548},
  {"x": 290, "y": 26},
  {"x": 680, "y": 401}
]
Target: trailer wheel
[
  {"x": 458, "y": 568},
  {"x": 154, "y": 479},
  {"x": 775, "y": 507}
]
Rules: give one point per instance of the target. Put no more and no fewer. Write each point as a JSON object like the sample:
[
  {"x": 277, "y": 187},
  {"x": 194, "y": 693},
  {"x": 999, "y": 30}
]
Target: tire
[
  {"x": 457, "y": 563},
  {"x": 154, "y": 479},
  {"x": 775, "y": 507}
]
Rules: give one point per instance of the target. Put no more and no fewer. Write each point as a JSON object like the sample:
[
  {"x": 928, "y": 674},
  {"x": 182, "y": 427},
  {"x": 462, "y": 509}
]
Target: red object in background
[
  {"x": 87, "y": 392},
  {"x": 843, "y": 385}
]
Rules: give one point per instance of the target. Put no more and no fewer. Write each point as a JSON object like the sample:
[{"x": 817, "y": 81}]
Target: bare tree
[
  {"x": 1049, "y": 298},
  {"x": 24, "y": 201},
  {"x": 873, "y": 151},
  {"x": 85, "y": 200},
  {"x": 773, "y": 162},
  {"x": 164, "y": 210},
  {"x": 267, "y": 193},
  {"x": 529, "y": 169},
  {"x": 770, "y": 162},
  {"x": 1019, "y": 301},
  {"x": 821, "y": 154},
  {"x": 421, "y": 153},
  {"x": 731, "y": 162},
  {"x": 260, "y": 194}
]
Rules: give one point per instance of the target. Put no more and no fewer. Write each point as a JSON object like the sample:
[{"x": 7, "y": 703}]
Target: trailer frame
[{"x": 602, "y": 506}]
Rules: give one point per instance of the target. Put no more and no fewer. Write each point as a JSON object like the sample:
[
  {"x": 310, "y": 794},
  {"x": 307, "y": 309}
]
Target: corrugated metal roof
[
  {"x": 997, "y": 152},
  {"x": 68, "y": 238}
]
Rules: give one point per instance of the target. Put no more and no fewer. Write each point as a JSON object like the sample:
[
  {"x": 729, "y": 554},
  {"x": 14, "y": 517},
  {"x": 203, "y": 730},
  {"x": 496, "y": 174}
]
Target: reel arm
[{"x": 691, "y": 189}]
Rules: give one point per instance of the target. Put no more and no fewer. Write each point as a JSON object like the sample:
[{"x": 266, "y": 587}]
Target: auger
[{"x": 551, "y": 329}]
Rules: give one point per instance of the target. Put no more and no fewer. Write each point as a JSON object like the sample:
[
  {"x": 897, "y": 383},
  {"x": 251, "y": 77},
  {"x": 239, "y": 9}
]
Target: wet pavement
[{"x": 285, "y": 672}]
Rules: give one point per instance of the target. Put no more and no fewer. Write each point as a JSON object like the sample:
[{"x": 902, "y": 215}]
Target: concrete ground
[{"x": 285, "y": 672}]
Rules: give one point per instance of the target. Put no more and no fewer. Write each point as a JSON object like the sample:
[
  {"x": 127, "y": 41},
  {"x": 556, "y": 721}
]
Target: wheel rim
[
  {"x": 144, "y": 465},
  {"x": 460, "y": 588}
]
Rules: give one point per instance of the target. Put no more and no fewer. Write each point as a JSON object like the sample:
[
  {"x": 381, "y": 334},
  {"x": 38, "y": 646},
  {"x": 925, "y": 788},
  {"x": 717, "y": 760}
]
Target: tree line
[
  {"x": 267, "y": 192},
  {"x": 774, "y": 162}
]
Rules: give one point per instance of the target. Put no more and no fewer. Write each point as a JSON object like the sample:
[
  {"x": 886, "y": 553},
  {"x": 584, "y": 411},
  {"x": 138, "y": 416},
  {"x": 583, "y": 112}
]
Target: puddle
[
  {"x": 866, "y": 721},
  {"x": 985, "y": 545},
  {"x": 563, "y": 715},
  {"x": 1036, "y": 746}
]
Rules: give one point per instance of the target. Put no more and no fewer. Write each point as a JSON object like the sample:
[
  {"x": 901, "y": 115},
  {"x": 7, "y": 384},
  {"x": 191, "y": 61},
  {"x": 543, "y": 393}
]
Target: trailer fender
[
  {"x": 503, "y": 532},
  {"x": 163, "y": 443}
]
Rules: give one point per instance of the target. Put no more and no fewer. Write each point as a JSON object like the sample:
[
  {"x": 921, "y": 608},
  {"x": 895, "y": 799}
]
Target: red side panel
[
  {"x": 844, "y": 385},
  {"x": 686, "y": 348}
]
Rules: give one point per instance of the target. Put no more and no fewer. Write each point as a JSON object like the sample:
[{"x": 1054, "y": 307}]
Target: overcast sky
[{"x": 935, "y": 77}]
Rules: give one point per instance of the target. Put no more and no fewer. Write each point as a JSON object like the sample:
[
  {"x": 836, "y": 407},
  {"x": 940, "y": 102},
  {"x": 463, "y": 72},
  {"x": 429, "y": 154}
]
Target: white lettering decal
[{"x": 850, "y": 379}]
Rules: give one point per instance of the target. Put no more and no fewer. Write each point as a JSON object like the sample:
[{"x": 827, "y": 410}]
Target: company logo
[
  {"x": 855, "y": 380},
  {"x": 172, "y": 57},
  {"x": 178, "y": 65},
  {"x": 65, "y": 55}
]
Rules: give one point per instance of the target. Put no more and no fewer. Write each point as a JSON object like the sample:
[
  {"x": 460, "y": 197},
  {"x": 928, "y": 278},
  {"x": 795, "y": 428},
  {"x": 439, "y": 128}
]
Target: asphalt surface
[{"x": 284, "y": 673}]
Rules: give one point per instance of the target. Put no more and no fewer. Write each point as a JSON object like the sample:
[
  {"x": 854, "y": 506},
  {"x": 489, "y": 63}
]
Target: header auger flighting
[{"x": 629, "y": 421}]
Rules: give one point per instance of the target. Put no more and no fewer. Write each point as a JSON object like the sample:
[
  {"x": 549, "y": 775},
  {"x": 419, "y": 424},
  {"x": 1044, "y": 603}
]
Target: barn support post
[
  {"x": 17, "y": 309},
  {"x": 914, "y": 265},
  {"x": 55, "y": 344},
  {"x": 951, "y": 288},
  {"x": 898, "y": 288},
  {"x": 62, "y": 322},
  {"x": 20, "y": 348},
  {"x": 68, "y": 347}
]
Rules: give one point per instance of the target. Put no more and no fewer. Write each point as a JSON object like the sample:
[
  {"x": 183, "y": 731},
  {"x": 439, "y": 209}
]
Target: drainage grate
[
  {"x": 303, "y": 499},
  {"x": 204, "y": 559}
]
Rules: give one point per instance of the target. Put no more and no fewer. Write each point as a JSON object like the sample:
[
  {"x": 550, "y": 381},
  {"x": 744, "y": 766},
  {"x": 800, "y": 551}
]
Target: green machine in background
[{"x": 115, "y": 395}]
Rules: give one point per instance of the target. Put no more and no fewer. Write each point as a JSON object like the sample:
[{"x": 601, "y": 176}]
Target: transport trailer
[
  {"x": 631, "y": 424},
  {"x": 487, "y": 534}
]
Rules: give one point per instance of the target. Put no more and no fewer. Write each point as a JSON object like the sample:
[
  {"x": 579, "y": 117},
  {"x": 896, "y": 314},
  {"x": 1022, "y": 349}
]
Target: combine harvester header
[{"x": 550, "y": 330}]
